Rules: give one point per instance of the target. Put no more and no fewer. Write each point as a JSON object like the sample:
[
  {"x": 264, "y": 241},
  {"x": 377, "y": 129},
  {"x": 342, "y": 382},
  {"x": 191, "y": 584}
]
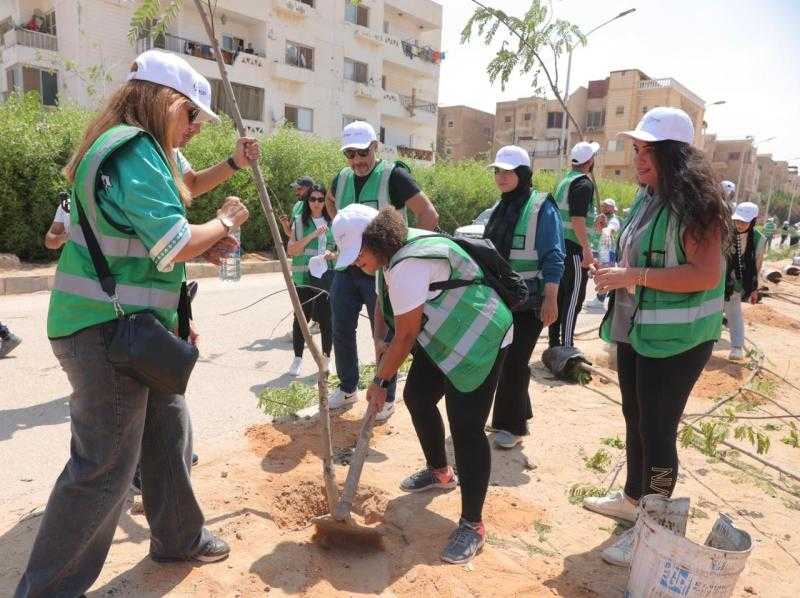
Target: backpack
[{"x": 497, "y": 272}]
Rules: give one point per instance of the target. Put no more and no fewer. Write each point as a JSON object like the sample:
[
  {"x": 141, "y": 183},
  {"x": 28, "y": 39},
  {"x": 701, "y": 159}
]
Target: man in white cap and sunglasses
[
  {"x": 376, "y": 183},
  {"x": 574, "y": 195}
]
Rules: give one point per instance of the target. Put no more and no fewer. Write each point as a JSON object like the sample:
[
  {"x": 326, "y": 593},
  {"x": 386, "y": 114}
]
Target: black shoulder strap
[
  {"x": 445, "y": 285},
  {"x": 107, "y": 281}
]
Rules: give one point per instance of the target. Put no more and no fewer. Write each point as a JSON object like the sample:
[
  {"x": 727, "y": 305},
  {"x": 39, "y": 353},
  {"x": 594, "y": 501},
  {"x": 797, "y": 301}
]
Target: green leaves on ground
[
  {"x": 280, "y": 402},
  {"x": 599, "y": 461}
]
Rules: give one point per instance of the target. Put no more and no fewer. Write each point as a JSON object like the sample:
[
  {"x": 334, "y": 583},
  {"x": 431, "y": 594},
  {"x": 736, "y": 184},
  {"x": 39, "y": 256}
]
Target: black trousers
[
  {"x": 654, "y": 395},
  {"x": 318, "y": 309},
  {"x": 467, "y": 414},
  {"x": 571, "y": 293},
  {"x": 512, "y": 401}
]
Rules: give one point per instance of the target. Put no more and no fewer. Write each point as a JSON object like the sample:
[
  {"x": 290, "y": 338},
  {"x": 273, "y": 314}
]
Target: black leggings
[
  {"x": 654, "y": 394},
  {"x": 467, "y": 413},
  {"x": 320, "y": 310},
  {"x": 512, "y": 402}
]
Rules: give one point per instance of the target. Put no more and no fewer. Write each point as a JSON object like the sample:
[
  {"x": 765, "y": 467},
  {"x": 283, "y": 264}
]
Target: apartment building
[
  {"x": 317, "y": 64},
  {"x": 603, "y": 108},
  {"x": 735, "y": 160},
  {"x": 464, "y": 133}
]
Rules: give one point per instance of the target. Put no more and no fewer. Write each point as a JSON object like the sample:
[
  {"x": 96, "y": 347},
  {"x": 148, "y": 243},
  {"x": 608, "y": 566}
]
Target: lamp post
[
  {"x": 564, "y": 120},
  {"x": 741, "y": 165}
]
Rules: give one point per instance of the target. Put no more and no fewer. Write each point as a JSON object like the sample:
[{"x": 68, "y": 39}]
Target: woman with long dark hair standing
[
  {"x": 311, "y": 238},
  {"x": 666, "y": 303}
]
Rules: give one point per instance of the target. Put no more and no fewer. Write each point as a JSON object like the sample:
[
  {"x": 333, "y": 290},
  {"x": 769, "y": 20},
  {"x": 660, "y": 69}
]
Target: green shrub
[{"x": 36, "y": 142}]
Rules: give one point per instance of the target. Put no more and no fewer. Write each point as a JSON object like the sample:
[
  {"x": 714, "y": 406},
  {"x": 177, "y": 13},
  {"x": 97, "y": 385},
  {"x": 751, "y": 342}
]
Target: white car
[{"x": 475, "y": 230}]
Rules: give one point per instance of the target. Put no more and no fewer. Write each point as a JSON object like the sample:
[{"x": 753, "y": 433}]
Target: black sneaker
[
  {"x": 464, "y": 543},
  {"x": 427, "y": 479},
  {"x": 215, "y": 549},
  {"x": 8, "y": 344}
]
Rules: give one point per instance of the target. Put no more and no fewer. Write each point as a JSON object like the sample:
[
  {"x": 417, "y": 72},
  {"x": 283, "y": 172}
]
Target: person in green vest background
[
  {"x": 743, "y": 265},
  {"x": 770, "y": 227},
  {"x": 301, "y": 187},
  {"x": 458, "y": 338},
  {"x": 665, "y": 310},
  {"x": 377, "y": 183},
  {"x": 574, "y": 195},
  {"x": 311, "y": 247},
  {"x": 525, "y": 228},
  {"x": 125, "y": 180}
]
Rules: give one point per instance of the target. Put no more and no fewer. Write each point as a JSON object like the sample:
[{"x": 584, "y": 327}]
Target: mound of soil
[
  {"x": 763, "y": 314},
  {"x": 721, "y": 377}
]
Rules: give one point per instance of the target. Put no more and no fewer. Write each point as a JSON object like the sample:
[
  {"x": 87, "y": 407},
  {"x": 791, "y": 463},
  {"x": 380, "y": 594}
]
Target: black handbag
[{"x": 141, "y": 347}]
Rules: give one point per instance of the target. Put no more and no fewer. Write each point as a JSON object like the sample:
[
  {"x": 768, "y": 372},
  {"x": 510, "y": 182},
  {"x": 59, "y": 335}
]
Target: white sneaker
[
  {"x": 736, "y": 354},
  {"x": 294, "y": 369},
  {"x": 614, "y": 505},
  {"x": 506, "y": 440},
  {"x": 620, "y": 552},
  {"x": 595, "y": 304},
  {"x": 341, "y": 399},
  {"x": 385, "y": 412}
]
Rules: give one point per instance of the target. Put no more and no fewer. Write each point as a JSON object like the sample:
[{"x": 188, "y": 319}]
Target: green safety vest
[
  {"x": 523, "y": 256},
  {"x": 300, "y": 271},
  {"x": 665, "y": 323},
  {"x": 561, "y": 195},
  {"x": 463, "y": 327},
  {"x": 77, "y": 300},
  {"x": 375, "y": 191},
  {"x": 769, "y": 228}
]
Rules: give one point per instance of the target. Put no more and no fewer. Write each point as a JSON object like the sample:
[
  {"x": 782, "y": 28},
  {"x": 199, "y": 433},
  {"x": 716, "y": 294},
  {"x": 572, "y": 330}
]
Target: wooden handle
[{"x": 342, "y": 512}]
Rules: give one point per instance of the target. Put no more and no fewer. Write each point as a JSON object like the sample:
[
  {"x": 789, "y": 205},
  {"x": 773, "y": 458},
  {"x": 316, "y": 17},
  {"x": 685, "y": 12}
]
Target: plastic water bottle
[
  {"x": 230, "y": 269},
  {"x": 604, "y": 252}
]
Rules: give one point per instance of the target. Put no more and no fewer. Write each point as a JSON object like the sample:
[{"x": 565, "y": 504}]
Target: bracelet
[
  {"x": 641, "y": 280},
  {"x": 232, "y": 163}
]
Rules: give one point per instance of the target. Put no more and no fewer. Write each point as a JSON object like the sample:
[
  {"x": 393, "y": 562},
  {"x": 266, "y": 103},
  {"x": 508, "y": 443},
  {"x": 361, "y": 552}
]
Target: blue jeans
[
  {"x": 114, "y": 418},
  {"x": 350, "y": 290}
]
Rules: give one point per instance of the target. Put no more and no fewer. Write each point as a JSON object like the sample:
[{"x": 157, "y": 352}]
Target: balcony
[
  {"x": 254, "y": 128},
  {"x": 293, "y": 8},
  {"x": 30, "y": 39},
  {"x": 669, "y": 82},
  {"x": 411, "y": 56},
  {"x": 415, "y": 153},
  {"x": 367, "y": 34},
  {"x": 21, "y": 46},
  {"x": 291, "y": 74},
  {"x": 365, "y": 91}
]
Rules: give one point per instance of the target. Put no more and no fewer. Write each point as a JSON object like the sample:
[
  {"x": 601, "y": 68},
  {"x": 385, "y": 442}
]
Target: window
[
  {"x": 43, "y": 82},
  {"x": 620, "y": 110},
  {"x": 347, "y": 119},
  {"x": 250, "y": 100},
  {"x": 382, "y": 135},
  {"x": 524, "y": 138},
  {"x": 615, "y": 145},
  {"x": 450, "y": 124},
  {"x": 508, "y": 119},
  {"x": 617, "y": 172},
  {"x": 308, "y": 2},
  {"x": 383, "y": 82},
  {"x": 644, "y": 109},
  {"x": 232, "y": 44},
  {"x": 358, "y": 15},
  {"x": 734, "y": 155},
  {"x": 555, "y": 120},
  {"x": 527, "y": 116},
  {"x": 302, "y": 118},
  {"x": 595, "y": 120},
  {"x": 299, "y": 55},
  {"x": 355, "y": 71},
  {"x": 49, "y": 23}
]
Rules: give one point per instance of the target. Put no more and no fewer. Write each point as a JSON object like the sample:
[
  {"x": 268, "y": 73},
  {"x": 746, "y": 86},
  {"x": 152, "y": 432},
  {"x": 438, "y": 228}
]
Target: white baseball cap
[
  {"x": 358, "y": 135},
  {"x": 583, "y": 152},
  {"x": 610, "y": 202},
  {"x": 663, "y": 123},
  {"x": 510, "y": 157},
  {"x": 348, "y": 228},
  {"x": 170, "y": 70},
  {"x": 746, "y": 211},
  {"x": 728, "y": 187}
]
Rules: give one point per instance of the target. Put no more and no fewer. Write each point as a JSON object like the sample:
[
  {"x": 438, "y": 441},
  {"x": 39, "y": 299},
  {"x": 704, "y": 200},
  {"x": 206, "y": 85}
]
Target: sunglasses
[
  {"x": 317, "y": 199},
  {"x": 350, "y": 154}
]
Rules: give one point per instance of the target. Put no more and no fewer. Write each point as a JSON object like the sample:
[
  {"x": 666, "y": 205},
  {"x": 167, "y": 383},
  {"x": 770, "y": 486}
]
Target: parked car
[{"x": 475, "y": 230}]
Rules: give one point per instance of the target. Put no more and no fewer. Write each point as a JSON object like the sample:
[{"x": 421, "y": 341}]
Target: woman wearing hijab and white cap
[
  {"x": 127, "y": 185},
  {"x": 665, "y": 312},
  {"x": 744, "y": 264}
]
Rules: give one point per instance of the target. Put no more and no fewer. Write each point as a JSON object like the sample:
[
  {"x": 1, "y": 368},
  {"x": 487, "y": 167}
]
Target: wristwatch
[
  {"x": 382, "y": 382},
  {"x": 232, "y": 163},
  {"x": 226, "y": 222}
]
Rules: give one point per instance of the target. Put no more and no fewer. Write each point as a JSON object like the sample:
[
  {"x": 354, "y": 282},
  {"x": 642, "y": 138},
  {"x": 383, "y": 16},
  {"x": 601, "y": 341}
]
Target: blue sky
[{"x": 745, "y": 52}]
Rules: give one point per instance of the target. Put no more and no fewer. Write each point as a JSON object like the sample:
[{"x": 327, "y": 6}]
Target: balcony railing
[
  {"x": 189, "y": 47},
  {"x": 32, "y": 39},
  {"x": 669, "y": 82},
  {"x": 413, "y": 152},
  {"x": 412, "y": 103}
]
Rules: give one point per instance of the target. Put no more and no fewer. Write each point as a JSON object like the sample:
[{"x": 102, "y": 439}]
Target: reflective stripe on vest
[
  {"x": 561, "y": 196},
  {"x": 681, "y": 315},
  {"x": 375, "y": 191},
  {"x": 523, "y": 257},
  {"x": 127, "y": 294},
  {"x": 110, "y": 246},
  {"x": 464, "y": 327},
  {"x": 300, "y": 270}
]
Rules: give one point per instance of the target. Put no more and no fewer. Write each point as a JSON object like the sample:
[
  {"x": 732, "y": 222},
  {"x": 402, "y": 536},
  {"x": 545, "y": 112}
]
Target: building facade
[
  {"x": 735, "y": 160},
  {"x": 464, "y": 133},
  {"x": 603, "y": 108},
  {"x": 317, "y": 64}
]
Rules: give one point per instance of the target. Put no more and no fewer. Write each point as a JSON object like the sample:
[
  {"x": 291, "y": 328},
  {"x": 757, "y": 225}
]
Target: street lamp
[
  {"x": 566, "y": 86},
  {"x": 741, "y": 165}
]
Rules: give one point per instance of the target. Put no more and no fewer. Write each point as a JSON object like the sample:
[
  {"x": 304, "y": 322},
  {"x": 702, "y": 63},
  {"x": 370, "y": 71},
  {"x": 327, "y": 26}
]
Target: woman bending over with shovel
[{"x": 457, "y": 337}]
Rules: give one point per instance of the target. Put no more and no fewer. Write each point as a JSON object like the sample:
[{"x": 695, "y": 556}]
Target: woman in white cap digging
[
  {"x": 458, "y": 338},
  {"x": 665, "y": 311},
  {"x": 127, "y": 188},
  {"x": 744, "y": 264}
]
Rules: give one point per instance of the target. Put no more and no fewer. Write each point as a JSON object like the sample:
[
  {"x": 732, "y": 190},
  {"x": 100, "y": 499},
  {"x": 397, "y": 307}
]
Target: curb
[{"x": 21, "y": 285}]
